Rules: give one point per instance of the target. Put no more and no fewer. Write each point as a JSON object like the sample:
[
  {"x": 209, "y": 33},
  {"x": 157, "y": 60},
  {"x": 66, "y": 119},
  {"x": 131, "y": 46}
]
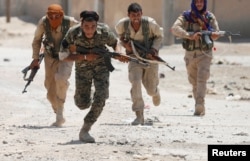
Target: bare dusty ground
[{"x": 171, "y": 132}]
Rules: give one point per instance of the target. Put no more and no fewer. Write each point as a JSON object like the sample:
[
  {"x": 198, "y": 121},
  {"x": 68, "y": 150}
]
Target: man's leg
[
  {"x": 150, "y": 81},
  {"x": 135, "y": 78},
  {"x": 202, "y": 77},
  {"x": 61, "y": 78},
  {"x": 191, "y": 66},
  {"x": 101, "y": 83}
]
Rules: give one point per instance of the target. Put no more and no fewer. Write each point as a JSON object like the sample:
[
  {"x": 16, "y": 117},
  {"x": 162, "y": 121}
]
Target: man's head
[
  {"x": 55, "y": 15},
  {"x": 89, "y": 22},
  {"x": 135, "y": 13},
  {"x": 199, "y": 5}
]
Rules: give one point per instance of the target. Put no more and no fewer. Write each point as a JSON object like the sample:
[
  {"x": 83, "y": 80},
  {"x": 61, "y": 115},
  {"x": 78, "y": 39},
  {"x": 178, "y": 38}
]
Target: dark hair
[
  {"x": 134, "y": 7},
  {"x": 89, "y": 16}
]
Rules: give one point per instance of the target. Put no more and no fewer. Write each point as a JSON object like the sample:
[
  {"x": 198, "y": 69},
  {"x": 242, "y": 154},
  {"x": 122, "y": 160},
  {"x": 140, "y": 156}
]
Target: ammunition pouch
[
  {"x": 205, "y": 43},
  {"x": 188, "y": 45},
  {"x": 50, "y": 50}
]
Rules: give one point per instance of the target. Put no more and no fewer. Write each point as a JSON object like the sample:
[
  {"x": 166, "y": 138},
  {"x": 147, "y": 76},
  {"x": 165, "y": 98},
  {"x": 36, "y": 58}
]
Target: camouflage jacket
[{"x": 75, "y": 36}]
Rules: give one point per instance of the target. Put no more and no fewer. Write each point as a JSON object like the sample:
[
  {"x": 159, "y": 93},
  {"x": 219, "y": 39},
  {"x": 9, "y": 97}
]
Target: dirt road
[{"x": 171, "y": 132}]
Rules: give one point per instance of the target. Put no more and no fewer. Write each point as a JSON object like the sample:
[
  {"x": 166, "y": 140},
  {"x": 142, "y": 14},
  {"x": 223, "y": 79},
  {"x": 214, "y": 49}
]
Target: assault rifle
[
  {"x": 32, "y": 73},
  {"x": 207, "y": 34},
  {"x": 108, "y": 54},
  {"x": 156, "y": 59}
]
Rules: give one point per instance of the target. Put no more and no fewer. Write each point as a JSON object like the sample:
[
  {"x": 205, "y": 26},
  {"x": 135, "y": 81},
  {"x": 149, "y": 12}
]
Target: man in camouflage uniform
[
  {"x": 50, "y": 31},
  {"x": 89, "y": 68},
  {"x": 143, "y": 30},
  {"x": 198, "y": 53}
]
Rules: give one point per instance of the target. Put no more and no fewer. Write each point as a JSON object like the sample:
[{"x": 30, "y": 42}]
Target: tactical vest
[
  {"x": 205, "y": 42},
  {"x": 48, "y": 41},
  {"x": 147, "y": 42}
]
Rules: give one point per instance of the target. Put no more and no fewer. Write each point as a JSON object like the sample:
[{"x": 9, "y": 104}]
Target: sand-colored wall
[{"x": 231, "y": 14}]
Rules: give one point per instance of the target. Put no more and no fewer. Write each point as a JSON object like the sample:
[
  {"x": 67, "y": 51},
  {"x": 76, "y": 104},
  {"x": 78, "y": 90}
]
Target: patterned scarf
[
  {"x": 196, "y": 16},
  {"x": 55, "y": 9}
]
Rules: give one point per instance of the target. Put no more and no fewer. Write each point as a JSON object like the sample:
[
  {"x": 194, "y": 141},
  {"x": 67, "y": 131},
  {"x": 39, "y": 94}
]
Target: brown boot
[
  {"x": 59, "y": 118},
  {"x": 199, "y": 106},
  {"x": 199, "y": 110},
  {"x": 157, "y": 99},
  {"x": 139, "y": 118},
  {"x": 84, "y": 134}
]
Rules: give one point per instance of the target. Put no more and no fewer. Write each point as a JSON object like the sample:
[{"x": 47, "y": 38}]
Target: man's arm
[
  {"x": 37, "y": 44},
  {"x": 68, "y": 52},
  {"x": 157, "y": 34}
]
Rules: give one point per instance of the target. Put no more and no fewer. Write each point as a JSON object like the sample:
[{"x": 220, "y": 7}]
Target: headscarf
[
  {"x": 194, "y": 15},
  {"x": 55, "y": 9}
]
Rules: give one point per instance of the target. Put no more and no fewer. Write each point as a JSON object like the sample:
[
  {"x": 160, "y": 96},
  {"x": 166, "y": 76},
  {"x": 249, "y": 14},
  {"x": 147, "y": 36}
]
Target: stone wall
[{"x": 231, "y": 14}]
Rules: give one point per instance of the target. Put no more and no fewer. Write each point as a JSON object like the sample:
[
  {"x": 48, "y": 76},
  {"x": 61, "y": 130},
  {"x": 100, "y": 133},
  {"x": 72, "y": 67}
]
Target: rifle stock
[{"x": 32, "y": 73}]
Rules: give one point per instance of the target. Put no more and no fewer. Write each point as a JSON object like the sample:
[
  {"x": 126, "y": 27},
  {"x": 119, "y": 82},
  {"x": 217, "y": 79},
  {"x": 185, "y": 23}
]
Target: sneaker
[{"x": 157, "y": 99}]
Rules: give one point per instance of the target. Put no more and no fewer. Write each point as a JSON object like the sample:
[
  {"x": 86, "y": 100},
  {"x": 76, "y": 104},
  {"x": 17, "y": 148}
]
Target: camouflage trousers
[
  {"x": 140, "y": 75},
  {"x": 86, "y": 75},
  {"x": 198, "y": 70},
  {"x": 56, "y": 82}
]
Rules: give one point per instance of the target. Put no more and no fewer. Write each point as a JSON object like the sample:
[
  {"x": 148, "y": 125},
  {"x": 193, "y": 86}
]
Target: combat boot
[
  {"x": 139, "y": 118},
  {"x": 199, "y": 106},
  {"x": 199, "y": 110},
  {"x": 59, "y": 118},
  {"x": 157, "y": 99},
  {"x": 84, "y": 134}
]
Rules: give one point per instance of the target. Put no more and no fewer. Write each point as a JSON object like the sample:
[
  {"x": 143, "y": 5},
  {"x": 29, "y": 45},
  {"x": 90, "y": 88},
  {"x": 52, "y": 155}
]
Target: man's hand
[
  {"x": 91, "y": 57},
  {"x": 35, "y": 64},
  {"x": 215, "y": 35},
  {"x": 127, "y": 46},
  {"x": 151, "y": 53},
  {"x": 72, "y": 48},
  {"x": 195, "y": 36},
  {"x": 87, "y": 57}
]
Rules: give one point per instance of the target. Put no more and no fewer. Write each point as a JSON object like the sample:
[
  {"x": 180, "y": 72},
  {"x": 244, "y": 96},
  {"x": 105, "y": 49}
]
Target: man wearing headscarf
[
  {"x": 49, "y": 33},
  {"x": 198, "y": 53}
]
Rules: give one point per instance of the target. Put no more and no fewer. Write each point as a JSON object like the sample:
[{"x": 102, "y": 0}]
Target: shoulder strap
[
  {"x": 47, "y": 30},
  {"x": 145, "y": 31},
  {"x": 65, "y": 28},
  {"x": 127, "y": 32},
  {"x": 65, "y": 25}
]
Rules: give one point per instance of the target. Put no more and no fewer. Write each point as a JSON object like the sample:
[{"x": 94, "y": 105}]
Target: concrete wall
[{"x": 231, "y": 14}]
